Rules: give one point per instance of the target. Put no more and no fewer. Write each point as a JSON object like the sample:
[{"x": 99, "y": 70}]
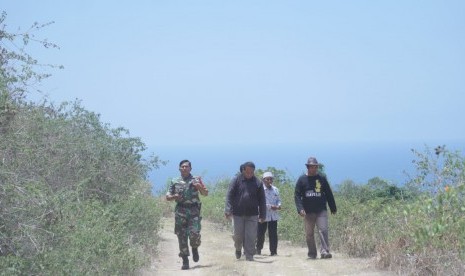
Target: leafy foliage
[
  {"x": 430, "y": 230},
  {"x": 279, "y": 176},
  {"x": 435, "y": 172},
  {"x": 19, "y": 69},
  {"x": 376, "y": 188},
  {"x": 73, "y": 192},
  {"x": 68, "y": 180},
  {"x": 213, "y": 204},
  {"x": 412, "y": 229}
]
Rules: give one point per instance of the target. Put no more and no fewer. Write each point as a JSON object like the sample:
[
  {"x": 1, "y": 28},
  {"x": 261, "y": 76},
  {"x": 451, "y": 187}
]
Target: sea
[{"x": 358, "y": 162}]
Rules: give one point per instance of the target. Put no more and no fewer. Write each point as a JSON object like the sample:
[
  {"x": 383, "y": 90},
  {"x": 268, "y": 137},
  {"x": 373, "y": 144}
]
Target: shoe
[
  {"x": 195, "y": 254},
  {"x": 311, "y": 256},
  {"x": 326, "y": 256},
  {"x": 273, "y": 254},
  {"x": 249, "y": 259},
  {"x": 185, "y": 263},
  {"x": 258, "y": 252},
  {"x": 238, "y": 254}
]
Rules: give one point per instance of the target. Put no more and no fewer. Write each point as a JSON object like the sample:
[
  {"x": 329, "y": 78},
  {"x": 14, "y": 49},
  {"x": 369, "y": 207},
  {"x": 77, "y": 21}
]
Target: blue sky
[{"x": 258, "y": 72}]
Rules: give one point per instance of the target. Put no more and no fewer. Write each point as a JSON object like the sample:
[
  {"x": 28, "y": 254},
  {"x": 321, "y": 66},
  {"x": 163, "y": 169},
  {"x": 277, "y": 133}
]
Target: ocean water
[{"x": 358, "y": 162}]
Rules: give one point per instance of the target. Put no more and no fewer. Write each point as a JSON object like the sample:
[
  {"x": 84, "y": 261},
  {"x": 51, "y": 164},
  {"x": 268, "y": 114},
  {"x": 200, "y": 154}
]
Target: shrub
[
  {"x": 213, "y": 204},
  {"x": 428, "y": 237},
  {"x": 291, "y": 226},
  {"x": 73, "y": 194},
  {"x": 67, "y": 180},
  {"x": 415, "y": 229},
  {"x": 103, "y": 239}
]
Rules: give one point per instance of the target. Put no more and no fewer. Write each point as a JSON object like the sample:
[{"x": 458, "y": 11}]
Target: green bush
[
  {"x": 73, "y": 195},
  {"x": 73, "y": 192},
  {"x": 416, "y": 229},
  {"x": 103, "y": 239},
  {"x": 429, "y": 236},
  {"x": 213, "y": 204},
  {"x": 291, "y": 226}
]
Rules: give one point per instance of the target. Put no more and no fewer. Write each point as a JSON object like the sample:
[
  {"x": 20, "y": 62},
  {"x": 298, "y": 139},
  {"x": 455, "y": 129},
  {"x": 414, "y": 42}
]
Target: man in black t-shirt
[
  {"x": 246, "y": 205},
  {"x": 312, "y": 194}
]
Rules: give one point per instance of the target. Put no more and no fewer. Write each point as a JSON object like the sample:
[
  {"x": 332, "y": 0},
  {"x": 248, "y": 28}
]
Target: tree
[
  {"x": 17, "y": 73},
  {"x": 438, "y": 170},
  {"x": 279, "y": 175},
  {"x": 18, "y": 70}
]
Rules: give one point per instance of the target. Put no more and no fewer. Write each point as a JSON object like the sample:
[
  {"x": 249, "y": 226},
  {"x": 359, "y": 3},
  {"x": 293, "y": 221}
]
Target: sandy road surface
[{"x": 217, "y": 258}]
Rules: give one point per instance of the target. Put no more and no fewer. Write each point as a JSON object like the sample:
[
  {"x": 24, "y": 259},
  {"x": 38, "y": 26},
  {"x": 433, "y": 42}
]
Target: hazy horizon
[{"x": 358, "y": 162}]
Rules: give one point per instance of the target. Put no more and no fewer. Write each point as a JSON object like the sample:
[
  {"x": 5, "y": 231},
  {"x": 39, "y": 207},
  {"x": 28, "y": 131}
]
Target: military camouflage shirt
[{"x": 185, "y": 189}]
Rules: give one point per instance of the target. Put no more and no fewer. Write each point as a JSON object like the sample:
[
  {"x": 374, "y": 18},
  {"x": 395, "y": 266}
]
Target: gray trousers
[
  {"x": 245, "y": 234},
  {"x": 321, "y": 221}
]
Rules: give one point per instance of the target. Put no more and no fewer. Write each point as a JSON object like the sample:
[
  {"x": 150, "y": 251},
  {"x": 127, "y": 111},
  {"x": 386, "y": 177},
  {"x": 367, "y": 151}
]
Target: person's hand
[
  {"x": 302, "y": 213},
  {"x": 201, "y": 188},
  {"x": 197, "y": 185},
  {"x": 172, "y": 197},
  {"x": 260, "y": 220},
  {"x": 227, "y": 215},
  {"x": 274, "y": 207}
]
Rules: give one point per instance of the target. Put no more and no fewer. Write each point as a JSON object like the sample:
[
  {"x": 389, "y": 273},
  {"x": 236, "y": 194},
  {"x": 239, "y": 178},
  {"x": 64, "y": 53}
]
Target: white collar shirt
[{"x": 272, "y": 198}]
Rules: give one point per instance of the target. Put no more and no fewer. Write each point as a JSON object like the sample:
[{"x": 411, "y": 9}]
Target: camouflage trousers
[{"x": 187, "y": 227}]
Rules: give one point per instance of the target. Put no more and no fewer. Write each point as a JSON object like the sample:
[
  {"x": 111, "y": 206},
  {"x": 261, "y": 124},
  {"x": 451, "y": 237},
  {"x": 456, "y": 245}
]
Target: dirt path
[{"x": 217, "y": 258}]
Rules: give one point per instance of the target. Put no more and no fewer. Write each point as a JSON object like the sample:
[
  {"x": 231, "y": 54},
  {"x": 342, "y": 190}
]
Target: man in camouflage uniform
[{"x": 185, "y": 191}]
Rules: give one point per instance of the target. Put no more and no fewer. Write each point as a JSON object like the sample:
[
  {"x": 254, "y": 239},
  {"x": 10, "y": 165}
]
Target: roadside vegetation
[
  {"x": 75, "y": 200},
  {"x": 415, "y": 229}
]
